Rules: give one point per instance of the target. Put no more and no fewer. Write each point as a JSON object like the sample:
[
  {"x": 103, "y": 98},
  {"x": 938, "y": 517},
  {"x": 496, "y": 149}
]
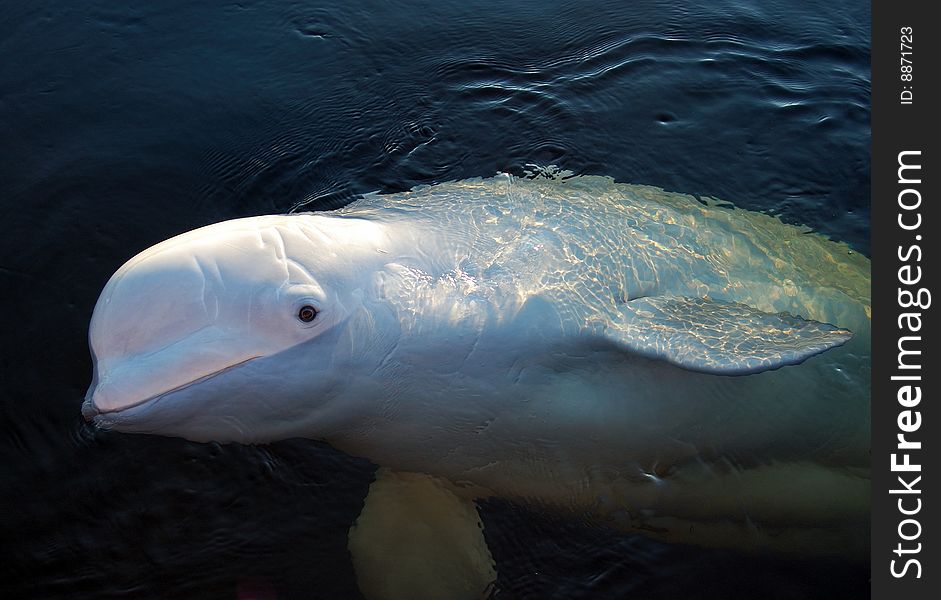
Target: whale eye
[{"x": 307, "y": 313}]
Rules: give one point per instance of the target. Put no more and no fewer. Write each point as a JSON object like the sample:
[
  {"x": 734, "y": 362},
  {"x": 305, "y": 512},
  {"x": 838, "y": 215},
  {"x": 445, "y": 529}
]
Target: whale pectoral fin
[
  {"x": 415, "y": 538},
  {"x": 724, "y": 338}
]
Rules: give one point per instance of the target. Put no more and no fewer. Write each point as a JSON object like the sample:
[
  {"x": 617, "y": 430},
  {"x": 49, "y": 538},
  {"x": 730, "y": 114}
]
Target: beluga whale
[{"x": 641, "y": 359}]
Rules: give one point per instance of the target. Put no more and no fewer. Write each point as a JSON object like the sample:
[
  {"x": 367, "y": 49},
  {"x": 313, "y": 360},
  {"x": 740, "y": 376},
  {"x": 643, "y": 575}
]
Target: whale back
[{"x": 589, "y": 244}]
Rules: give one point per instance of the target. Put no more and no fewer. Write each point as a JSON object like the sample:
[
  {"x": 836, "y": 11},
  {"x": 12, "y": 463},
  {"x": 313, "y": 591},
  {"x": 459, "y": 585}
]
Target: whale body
[{"x": 643, "y": 359}]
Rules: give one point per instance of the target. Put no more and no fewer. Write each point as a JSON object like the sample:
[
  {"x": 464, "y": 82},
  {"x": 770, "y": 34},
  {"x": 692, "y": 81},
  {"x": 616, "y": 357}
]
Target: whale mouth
[{"x": 91, "y": 411}]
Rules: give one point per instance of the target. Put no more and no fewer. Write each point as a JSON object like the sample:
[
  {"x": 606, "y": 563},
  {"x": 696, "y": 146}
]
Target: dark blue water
[{"x": 122, "y": 124}]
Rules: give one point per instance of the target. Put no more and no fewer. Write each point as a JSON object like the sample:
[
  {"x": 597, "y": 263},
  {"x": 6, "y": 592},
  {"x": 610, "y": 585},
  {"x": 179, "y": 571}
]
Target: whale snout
[{"x": 89, "y": 410}]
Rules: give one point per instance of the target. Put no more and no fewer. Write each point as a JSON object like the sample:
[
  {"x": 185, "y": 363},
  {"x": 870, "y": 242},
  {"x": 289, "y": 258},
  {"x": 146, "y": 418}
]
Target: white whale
[{"x": 628, "y": 355}]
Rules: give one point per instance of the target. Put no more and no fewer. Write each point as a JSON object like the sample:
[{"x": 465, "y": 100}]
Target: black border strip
[{"x": 902, "y": 122}]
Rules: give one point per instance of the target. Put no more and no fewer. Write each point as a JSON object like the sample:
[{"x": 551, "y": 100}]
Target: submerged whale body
[{"x": 658, "y": 363}]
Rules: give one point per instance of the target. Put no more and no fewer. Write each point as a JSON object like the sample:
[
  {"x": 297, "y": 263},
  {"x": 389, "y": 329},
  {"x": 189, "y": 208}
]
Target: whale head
[{"x": 201, "y": 335}]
